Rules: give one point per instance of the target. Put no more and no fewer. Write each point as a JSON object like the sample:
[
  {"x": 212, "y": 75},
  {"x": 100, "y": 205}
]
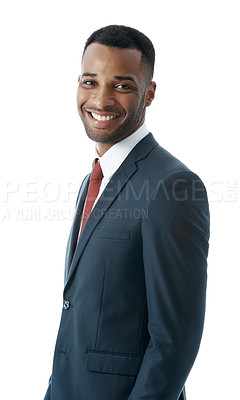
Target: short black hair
[{"x": 125, "y": 37}]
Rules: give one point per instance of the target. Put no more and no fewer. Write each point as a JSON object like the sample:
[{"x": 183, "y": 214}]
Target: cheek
[
  {"x": 137, "y": 105},
  {"x": 131, "y": 105},
  {"x": 81, "y": 98}
]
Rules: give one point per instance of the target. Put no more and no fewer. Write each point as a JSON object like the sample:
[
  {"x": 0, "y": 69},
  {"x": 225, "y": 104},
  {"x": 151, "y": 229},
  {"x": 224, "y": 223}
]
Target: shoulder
[
  {"x": 157, "y": 161},
  {"x": 169, "y": 178}
]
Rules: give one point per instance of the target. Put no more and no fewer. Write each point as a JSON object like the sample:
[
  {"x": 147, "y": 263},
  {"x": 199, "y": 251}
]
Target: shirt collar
[{"x": 114, "y": 157}]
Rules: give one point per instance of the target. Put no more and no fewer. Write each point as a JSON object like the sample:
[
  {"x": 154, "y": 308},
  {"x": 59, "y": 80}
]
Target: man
[{"x": 135, "y": 278}]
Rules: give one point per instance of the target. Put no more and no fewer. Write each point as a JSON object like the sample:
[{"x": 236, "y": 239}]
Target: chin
[{"x": 107, "y": 137}]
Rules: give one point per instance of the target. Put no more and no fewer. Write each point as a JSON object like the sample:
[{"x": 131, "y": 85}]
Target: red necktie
[{"x": 93, "y": 189}]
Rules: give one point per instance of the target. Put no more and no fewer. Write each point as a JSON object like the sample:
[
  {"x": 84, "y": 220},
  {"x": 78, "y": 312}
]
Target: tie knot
[{"x": 96, "y": 172}]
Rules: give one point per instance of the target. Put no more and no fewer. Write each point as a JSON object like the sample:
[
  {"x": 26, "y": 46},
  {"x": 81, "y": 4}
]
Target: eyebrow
[
  {"x": 89, "y": 74},
  {"x": 124, "y": 78},
  {"x": 117, "y": 77}
]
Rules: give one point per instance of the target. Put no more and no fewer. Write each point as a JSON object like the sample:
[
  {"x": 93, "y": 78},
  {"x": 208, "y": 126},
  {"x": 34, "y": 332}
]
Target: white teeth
[{"x": 103, "y": 118}]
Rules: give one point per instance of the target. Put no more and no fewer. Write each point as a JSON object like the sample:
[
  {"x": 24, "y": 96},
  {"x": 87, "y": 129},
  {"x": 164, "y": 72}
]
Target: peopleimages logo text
[{"x": 52, "y": 200}]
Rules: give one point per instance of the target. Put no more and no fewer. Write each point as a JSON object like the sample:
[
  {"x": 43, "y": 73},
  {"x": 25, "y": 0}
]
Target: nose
[{"x": 103, "y": 97}]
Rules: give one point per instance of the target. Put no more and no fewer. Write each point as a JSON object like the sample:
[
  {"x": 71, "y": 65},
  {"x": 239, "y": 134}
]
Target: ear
[{"x": 150, "y": 93}]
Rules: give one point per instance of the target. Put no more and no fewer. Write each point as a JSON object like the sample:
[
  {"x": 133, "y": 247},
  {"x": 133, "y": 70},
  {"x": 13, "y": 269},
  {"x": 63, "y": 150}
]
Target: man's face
[{"x": 113, "y": 92}]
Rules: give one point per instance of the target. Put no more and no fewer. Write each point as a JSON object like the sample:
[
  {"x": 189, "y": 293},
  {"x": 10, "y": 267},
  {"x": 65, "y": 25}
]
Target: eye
[
  {"x": 123, "y": 86},
  {"x": 88, "y": 83}
]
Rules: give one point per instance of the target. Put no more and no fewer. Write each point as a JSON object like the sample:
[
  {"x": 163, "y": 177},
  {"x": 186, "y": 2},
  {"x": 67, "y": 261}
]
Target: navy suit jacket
[{"x": 134, "y": 296}]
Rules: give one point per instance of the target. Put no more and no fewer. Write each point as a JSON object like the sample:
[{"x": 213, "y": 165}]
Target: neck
[{"x": 101, "y": 148}]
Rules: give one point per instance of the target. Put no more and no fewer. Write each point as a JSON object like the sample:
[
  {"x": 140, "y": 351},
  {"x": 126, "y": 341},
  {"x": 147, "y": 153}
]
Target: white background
[{"x": 44, "y": 155}]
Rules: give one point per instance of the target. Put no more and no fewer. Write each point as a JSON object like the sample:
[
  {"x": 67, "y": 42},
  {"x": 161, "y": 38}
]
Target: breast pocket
[{"x": 112, "y": 234}]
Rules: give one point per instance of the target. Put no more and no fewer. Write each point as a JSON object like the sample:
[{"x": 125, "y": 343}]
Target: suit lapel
[
  {"x": 112, "y": 190},
  {"x": 72, "y": 241}
]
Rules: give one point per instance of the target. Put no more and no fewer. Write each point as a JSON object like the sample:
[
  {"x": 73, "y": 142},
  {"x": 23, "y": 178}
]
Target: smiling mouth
[{"x": 99, "y": 117}]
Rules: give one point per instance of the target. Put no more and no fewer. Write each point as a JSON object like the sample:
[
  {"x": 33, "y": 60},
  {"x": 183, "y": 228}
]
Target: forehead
[{"x": 101, "y": 59}]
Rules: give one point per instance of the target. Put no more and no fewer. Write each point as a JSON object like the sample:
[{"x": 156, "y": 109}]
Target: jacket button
[{"x": 66, "y": 304}]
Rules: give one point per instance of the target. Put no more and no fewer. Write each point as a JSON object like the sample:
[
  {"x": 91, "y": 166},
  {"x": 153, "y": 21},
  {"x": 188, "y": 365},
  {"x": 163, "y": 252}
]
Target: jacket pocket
[
  {"x": 111, "y": 234},
  {"x": 113, "y": 363}
]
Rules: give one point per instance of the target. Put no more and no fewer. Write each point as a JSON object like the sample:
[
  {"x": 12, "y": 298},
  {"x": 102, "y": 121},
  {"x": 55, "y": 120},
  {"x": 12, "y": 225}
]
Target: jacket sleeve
[{"x": 175, "y": 246}]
